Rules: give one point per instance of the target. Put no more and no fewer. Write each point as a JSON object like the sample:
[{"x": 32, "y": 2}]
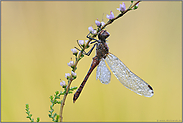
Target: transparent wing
[
  {"x": 127, "y": 78},
  {"x": 103, "y": 73}
]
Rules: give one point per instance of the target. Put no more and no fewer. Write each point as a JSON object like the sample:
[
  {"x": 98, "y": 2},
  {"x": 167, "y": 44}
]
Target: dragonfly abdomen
[{"x": 95, "y": 62}]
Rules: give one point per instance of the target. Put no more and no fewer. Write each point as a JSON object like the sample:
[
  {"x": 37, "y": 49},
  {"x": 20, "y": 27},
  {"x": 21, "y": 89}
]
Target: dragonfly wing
[
  {"x": 103, "y": 73},
  {"x": 127, "y": 78}
]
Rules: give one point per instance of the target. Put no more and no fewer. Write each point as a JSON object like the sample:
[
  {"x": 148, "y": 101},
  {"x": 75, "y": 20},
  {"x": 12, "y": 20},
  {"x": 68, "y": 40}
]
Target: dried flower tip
[
  {"x": 67, "y": 75},
  {"x": 102, "y": 23},
  {"x": 90, "y": 28},
  {"x": 81, "y": 42},
  {"x": 62, "y": 83},
  {"x": 97, "y": 22},
  {"x": 74, "y": 74},
  {"x": 111, "y": 16},
  {"x": 71, "y": 63},
  {"x": 74, "y": 50}
]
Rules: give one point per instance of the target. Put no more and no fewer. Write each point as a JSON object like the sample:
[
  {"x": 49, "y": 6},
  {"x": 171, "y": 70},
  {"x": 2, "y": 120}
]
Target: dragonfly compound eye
[{"x": 103, "y": 35}]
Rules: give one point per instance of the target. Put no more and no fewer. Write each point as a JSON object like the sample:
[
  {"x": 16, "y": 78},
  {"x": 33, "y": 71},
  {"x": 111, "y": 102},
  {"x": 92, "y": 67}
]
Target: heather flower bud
[
  {"x": 111, "y": 16},
  {"x": 122, "y": 7},
  {"x": 81, "y": 42},
  {"x": 74, "y": 50},
  {"x": 97, "y": 22},
  {"x": 74, "y": 74},
  {"x": 102, "y": 23},
  {"x": 94, "y": 32},
  {"x": 62, "y": 83},
  {"x": 90, "y": 28},
  {"x": 67, "y": 75},
  {"x": 70, "y": 64}
]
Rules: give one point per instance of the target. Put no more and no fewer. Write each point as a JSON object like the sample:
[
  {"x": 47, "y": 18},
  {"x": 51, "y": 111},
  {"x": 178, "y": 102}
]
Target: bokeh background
[{"x": 36, "y": 43}]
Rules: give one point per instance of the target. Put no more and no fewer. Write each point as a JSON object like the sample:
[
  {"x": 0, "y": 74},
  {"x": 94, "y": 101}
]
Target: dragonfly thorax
[{"x": 102, "y": 50}]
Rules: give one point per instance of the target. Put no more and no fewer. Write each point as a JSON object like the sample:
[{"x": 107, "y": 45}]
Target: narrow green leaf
[
  {"x": 57, "y": 92},
  {"x": 28, "y": 112},
  {"x": 55, "y": 114},
  {"x": 27, "y": 105},
  {"x": 38, "y": 119},
  {"x": 51, "y": 97},
  {"x": 32, "y": 120}
]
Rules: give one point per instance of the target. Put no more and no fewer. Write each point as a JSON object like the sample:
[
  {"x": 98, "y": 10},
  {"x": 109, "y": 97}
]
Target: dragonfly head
[{"x": 103, "y": 35}]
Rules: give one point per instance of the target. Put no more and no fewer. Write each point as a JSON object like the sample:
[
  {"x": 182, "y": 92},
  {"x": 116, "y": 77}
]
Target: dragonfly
[{"x": 118, "y": 68}]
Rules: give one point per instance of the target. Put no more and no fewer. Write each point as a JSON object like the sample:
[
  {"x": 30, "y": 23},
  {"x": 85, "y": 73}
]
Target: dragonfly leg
[
  {"x": 91, "y": 50},
  {"x": 79, "y": 44},
  {"x": 92, "y": 38},
  {"x": 80, "y": 47}
]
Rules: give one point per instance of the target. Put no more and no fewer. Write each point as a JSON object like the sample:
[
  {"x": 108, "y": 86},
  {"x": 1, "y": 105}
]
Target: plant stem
[{"x": 70, "y": 80}]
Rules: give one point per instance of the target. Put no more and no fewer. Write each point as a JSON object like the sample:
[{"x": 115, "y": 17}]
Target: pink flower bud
[
  {"x": 97, "y": 22},
  {"x": 90, "y": 28},
  {"x": 67, "y": 75},
  {"x": 122, "y": 7},
  {"x": 81, "y": 42},
  {"x": 111, "y": 16},
  {"x": 74, "y": 50},
  {"x": 94, "y": 32},
  {"x": 102, "y": 23},
  {"x": 62, "y": 83},
  {"x": 74, "y": 74},
  {"x": 71, "y": 63}
]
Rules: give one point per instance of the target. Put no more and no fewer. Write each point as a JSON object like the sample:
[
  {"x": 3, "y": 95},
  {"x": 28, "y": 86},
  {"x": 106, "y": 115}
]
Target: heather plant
[{"x": 60, "y": 96}]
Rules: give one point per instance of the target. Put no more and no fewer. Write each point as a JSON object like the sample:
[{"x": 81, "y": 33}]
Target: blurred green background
[{"x": 36, "y": 43}]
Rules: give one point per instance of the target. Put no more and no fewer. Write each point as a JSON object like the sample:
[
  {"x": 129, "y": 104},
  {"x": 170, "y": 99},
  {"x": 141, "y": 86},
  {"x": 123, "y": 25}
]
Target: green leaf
[
  {"x": 82, "y": 55},
  {"x": 57, "y": 92},
  {"x": 57, "y": 118},
  {"x": 74, "y": 77},
  {"x": 73, "y": 88},
  {"x": 55, "y": 114},
  {"x": 49, "y": 115},
  {"x": 57, "y": 97},
  {"x": 51, "y": 97},
  {"x": 131, "y": 1},
  {"x": 72, "y": 67},
  {"x": 32, "y": 120},
  {"x": 51, "y": 111},
  {"x": 27, "y": 105},
  {"x": 38, "y": 119},
  {"x": 28, "y": 112},
  {"x": 51, "y": 107},
  {"x": 54, "y": 101},
  {"x": 135, "y": 7}
]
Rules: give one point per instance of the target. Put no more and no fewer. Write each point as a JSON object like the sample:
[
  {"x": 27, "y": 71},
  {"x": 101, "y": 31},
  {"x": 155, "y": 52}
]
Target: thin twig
[{"x": 70, "y": 80}]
